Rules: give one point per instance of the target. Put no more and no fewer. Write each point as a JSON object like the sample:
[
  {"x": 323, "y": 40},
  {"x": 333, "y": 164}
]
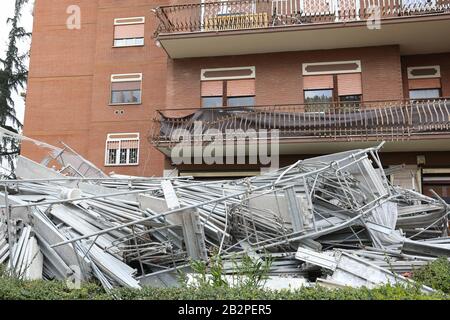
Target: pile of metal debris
[{"x": 335, "y": 215}]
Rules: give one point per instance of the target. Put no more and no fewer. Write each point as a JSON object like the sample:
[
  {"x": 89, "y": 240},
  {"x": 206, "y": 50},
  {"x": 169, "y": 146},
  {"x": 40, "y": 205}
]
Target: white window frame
[
  {"x": 132, "y": 77},
  {"x": 251, "y": 76},
  {"x": 411, "y": 76},
  {"x": 111, "y": 137},
  {"x": 128, "y": 21},
  {"x": 307, "y": 73}
]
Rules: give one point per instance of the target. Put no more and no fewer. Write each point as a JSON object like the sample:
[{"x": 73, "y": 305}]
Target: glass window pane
[
  {"x": 129, "y": 42},
  {"x": 133, "y": 156},
  {"x": 352, "y": 98},
  {"x": 118, "y": 42},
  {"x": 112, "y": 156},
  {"x": 126, "y": 96},
  {"x": 317, "y": 96},
  {"x": 320, "y": 97},
  {"x": 137, "y": 96},
  {"x": 123, "y": 156},
  {"x": 240, "y": 101},
  {"x": 211, "y": 102},
  {"x": 424, "y": 94},
  {"x": 116, "y": 97},
  {"x": 351, "y": 101}
]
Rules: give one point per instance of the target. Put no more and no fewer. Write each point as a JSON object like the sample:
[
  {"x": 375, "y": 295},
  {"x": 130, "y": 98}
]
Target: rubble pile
[{"x": 337, "y": 213}]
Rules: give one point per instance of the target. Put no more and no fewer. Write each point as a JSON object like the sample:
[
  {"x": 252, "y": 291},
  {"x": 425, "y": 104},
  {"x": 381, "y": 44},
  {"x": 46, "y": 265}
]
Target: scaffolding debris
[{"x": 337, "y": 212}]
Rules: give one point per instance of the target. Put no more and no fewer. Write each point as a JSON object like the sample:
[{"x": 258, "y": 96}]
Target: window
[
  {"x": 349, "y": 90},
  {"x": 318, "y": 100},
  {"x": 319, "y": 96},
  {"x": 212, "y": 102},
  {"x": 424, "y": 94},
  {"x": 424, "y": 82},
  {"x": 129, "y": 32},
  {"x": 240, "y": 101},
  {"x": 322, "y": 91},
  {"x": 122, "y": 149},
  {"x": 350, "y": 98},
  {"x": 350, "y": 102},
  {"x": 126, "y": 88},
  {"x": 233, "y": 87}
]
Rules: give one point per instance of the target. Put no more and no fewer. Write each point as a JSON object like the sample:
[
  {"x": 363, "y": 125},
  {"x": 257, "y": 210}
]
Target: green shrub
[
  {"x": 247, "y": 273},
  {"x": 387, "y": 292},
  {"x": 16, "y": 289},
  {"x": 435, "y": 274}
]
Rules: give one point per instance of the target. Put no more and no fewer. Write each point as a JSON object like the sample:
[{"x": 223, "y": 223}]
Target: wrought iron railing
[
  {"x": 380, "y": 120},
  {"x": 251, "y": 14}
]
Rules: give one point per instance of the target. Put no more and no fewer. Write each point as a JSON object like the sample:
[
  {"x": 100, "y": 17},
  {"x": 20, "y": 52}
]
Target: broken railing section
[
  {"x": 338, "y": 212},
  {"x": 378, "y": 121}
]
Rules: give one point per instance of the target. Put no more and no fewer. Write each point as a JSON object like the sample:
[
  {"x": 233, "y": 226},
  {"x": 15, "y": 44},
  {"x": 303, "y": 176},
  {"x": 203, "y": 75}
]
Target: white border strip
[
  {"x": 411, "y": 76},
  {"x": 132, "y": 77},
  {"x": 251, "y": 76},
  {"x": 123, "y": 21},
  {"x": 306, "y": 73}
]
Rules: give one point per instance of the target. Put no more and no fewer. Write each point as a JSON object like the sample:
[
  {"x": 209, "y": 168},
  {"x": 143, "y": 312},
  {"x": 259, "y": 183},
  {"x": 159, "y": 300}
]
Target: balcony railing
[
  {"x": 366, "y": 121},
  {"x": 252, "y": 14}
]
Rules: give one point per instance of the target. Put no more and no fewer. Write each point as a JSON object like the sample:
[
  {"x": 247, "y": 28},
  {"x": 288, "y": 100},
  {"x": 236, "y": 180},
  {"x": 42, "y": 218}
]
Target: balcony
[
  {"x": 405, "y": 125},
  {"x": 261, "y": 26}
]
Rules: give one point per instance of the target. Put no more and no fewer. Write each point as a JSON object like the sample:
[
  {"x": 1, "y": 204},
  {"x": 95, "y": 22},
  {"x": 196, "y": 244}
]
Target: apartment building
[
  {"x": 95, "y": 86},
  {"x": 327, "y": 75}
]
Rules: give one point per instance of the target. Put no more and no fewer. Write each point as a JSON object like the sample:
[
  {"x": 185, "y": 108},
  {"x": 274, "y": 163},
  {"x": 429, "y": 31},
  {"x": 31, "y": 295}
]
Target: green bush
[
  {"x": 16, "y": 289},
  {"x": 387, "y": 292},
  {"x": 13, "y": 289},
  {"x": 247, "y": 274},
  {"x": 435, "y": 274}
]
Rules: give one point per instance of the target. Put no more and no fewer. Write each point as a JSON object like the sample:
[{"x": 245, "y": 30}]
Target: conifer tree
[{"x": 13, "y": 77}]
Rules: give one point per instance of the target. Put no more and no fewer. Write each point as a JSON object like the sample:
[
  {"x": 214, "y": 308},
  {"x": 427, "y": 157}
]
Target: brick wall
[
  {"x": 69, "y": 86},
  {"x": 278, "y": 75},
  {"x": 441, "y": 59}
]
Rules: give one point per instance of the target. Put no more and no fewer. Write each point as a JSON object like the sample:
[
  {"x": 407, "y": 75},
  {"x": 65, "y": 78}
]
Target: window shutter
[
  {"x": 318, "y": 82},
  {"x": 349, "y": 84},
  {"x": 129, "y": 31},
  {"x": 212, "y": 88},
  {"x": 241, "y": 88},
  {"x": 432, "y": 83},
  {"x": 113, "y": 145},
  {"x": 130, "y": 144},
  {"x": 127, "y": 85}
]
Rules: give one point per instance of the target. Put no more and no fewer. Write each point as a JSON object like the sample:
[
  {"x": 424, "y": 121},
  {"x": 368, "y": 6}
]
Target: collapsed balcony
[{"x": 391, "y": 121}]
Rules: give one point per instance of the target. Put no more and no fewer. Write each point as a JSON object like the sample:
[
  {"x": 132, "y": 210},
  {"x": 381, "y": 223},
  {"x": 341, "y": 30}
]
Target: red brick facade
[
  {"x": 442, "y": 60},
  {"x": 69, "y": 86},
  {"x": 279, "y": 75}
]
